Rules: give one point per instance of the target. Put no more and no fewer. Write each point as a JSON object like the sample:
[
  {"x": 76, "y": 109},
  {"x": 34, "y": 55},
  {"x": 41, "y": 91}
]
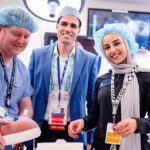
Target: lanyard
[
  {"x": 9, "y": 86},
  {"x": 115, "y": 102},
  {"x": 60, "y": 81}
]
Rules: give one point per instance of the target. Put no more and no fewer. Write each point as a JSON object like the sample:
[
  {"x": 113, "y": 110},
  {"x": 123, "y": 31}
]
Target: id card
[
  {"x": 57, "y": 121},
  {"x": 111, "y": 136},
  {"x": 57, "y": 118},
  {"x": 58, "y": 114}
]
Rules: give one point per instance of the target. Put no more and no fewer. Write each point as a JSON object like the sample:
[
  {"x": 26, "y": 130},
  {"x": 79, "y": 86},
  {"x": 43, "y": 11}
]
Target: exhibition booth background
[{"x": 37, "y": 39}]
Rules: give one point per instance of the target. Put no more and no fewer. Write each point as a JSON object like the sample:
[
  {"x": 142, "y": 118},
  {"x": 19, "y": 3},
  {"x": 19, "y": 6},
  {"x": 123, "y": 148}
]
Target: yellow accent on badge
[{"x": 112, "y": 138}]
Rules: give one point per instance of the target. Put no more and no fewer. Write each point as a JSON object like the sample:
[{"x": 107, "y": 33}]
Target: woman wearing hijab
[{"x": 122, "y": 96}]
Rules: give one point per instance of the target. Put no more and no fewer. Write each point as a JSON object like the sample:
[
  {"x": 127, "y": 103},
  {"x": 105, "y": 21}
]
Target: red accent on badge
[
  {"x": 57, "y": 119},
  {"x": 57, "y": 127}
]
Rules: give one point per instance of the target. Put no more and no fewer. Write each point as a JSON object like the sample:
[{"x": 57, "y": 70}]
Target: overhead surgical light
[
  {"x": 48, "y": 9},
  {"x": 53, "y": 4}
]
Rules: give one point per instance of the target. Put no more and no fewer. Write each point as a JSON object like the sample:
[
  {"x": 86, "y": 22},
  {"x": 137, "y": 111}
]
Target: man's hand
[
  {"x": 126, "y": 127},
  {"x": 2, "y": 141},
  {"x": 75, "y": 127},
  {"x": 19, "y": 146},
  {"x": 4, "y": 121}
]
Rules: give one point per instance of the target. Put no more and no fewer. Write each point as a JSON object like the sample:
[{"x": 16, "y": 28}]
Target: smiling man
[
  {"x": 63, "y": 77},
  {"x": 16, "y": 26}
]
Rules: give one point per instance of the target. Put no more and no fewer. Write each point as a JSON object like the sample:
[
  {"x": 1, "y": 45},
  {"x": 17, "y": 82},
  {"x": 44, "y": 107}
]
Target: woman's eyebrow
[{"x": 115, "y": 40}]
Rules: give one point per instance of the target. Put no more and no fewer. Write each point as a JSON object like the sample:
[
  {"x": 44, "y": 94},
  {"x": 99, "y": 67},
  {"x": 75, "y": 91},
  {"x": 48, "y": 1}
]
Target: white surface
[
  {"x": 54, "y": 146},
  {"x": 105, "y": 66},
  {"x": 22, "y": 136},
  {"x": 143, "y": 58}
]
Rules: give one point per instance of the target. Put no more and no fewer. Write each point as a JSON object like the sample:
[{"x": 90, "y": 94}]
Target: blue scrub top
[{"x": 21, "y": 86}]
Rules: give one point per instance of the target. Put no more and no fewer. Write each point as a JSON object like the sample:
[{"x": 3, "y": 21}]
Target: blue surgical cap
[
  {"x": 120, "y": 29},
  {"x": 67, "y": 10},
  {"x": 16, "y": 16}
]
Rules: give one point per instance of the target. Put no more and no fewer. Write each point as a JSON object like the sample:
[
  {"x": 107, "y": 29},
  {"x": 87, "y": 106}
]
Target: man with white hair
[
  {"x": 16, "y": 26},
  {"x": 63, "y": 77}
]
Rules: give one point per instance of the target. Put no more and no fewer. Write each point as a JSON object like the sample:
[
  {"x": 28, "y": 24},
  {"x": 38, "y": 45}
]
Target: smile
[{"x": 115, "y": 56}]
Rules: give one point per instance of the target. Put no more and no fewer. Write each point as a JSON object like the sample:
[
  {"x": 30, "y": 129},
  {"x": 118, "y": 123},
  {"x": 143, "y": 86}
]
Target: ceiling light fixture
[{"x": 48, "y": 9}]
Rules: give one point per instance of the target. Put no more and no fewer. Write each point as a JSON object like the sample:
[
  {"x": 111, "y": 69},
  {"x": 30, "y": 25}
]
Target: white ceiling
[{"x": 129, "y": 1}]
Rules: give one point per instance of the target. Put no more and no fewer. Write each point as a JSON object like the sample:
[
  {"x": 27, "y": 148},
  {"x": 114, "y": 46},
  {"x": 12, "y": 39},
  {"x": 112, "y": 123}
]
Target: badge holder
[
  {"x": 111, "y": 136},
  {"x": 57, "y": 121}
]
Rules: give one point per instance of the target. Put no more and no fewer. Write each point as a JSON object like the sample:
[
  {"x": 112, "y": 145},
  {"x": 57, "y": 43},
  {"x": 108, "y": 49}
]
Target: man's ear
[
  {"x": 56, "y": 26},
  {"x": 0, "y": 27},
  {"x": 79, "y": 30}
]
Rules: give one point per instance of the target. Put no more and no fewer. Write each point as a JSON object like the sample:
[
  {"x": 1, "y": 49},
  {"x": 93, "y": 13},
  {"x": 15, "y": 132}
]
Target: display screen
[
  {"x": 83, "y": 41},
  {"x": 138, "y": 22}
]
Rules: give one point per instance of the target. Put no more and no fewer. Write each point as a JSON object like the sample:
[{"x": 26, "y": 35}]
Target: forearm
[
  {"x": 89, "y": 123},
  {"x": 25, "y": 107},
  {"x": 27, "y": 112},
  {"x": 143, "y": 125}
]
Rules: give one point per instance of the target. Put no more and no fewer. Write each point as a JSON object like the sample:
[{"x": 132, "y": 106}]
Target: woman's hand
[
  {"x": 126, "y": 127},
  {"x": 75, "y": 127}
]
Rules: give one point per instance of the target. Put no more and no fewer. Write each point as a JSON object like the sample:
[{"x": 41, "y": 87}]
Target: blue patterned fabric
[
  {"x": 67, "y": 10},
  {"x": 16, "y": 16},
  {"x": 120, "y": 29}
]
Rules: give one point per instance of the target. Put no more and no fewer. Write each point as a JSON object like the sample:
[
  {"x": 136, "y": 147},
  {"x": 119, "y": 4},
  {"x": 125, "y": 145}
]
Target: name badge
[
  {"x": 111, "y": 136},
  {"x": 57, "y": 118},
  {"x": 57, "y": 114},
  {"x": 57, "y": 121}
]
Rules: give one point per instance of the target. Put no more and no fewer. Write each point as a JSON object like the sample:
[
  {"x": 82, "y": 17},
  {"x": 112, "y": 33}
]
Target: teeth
[
  {"x": 115, "y": 56},
  {"x": 18, "y": 45},
  {"x": 66, "y": 35}
]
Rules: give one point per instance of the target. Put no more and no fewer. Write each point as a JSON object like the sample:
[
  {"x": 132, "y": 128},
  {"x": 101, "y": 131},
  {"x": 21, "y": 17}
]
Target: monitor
[{"x": 138, "y": 22}]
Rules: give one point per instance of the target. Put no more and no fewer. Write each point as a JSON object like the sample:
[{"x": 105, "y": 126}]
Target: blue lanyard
[{"x": 60, "y": 81}]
